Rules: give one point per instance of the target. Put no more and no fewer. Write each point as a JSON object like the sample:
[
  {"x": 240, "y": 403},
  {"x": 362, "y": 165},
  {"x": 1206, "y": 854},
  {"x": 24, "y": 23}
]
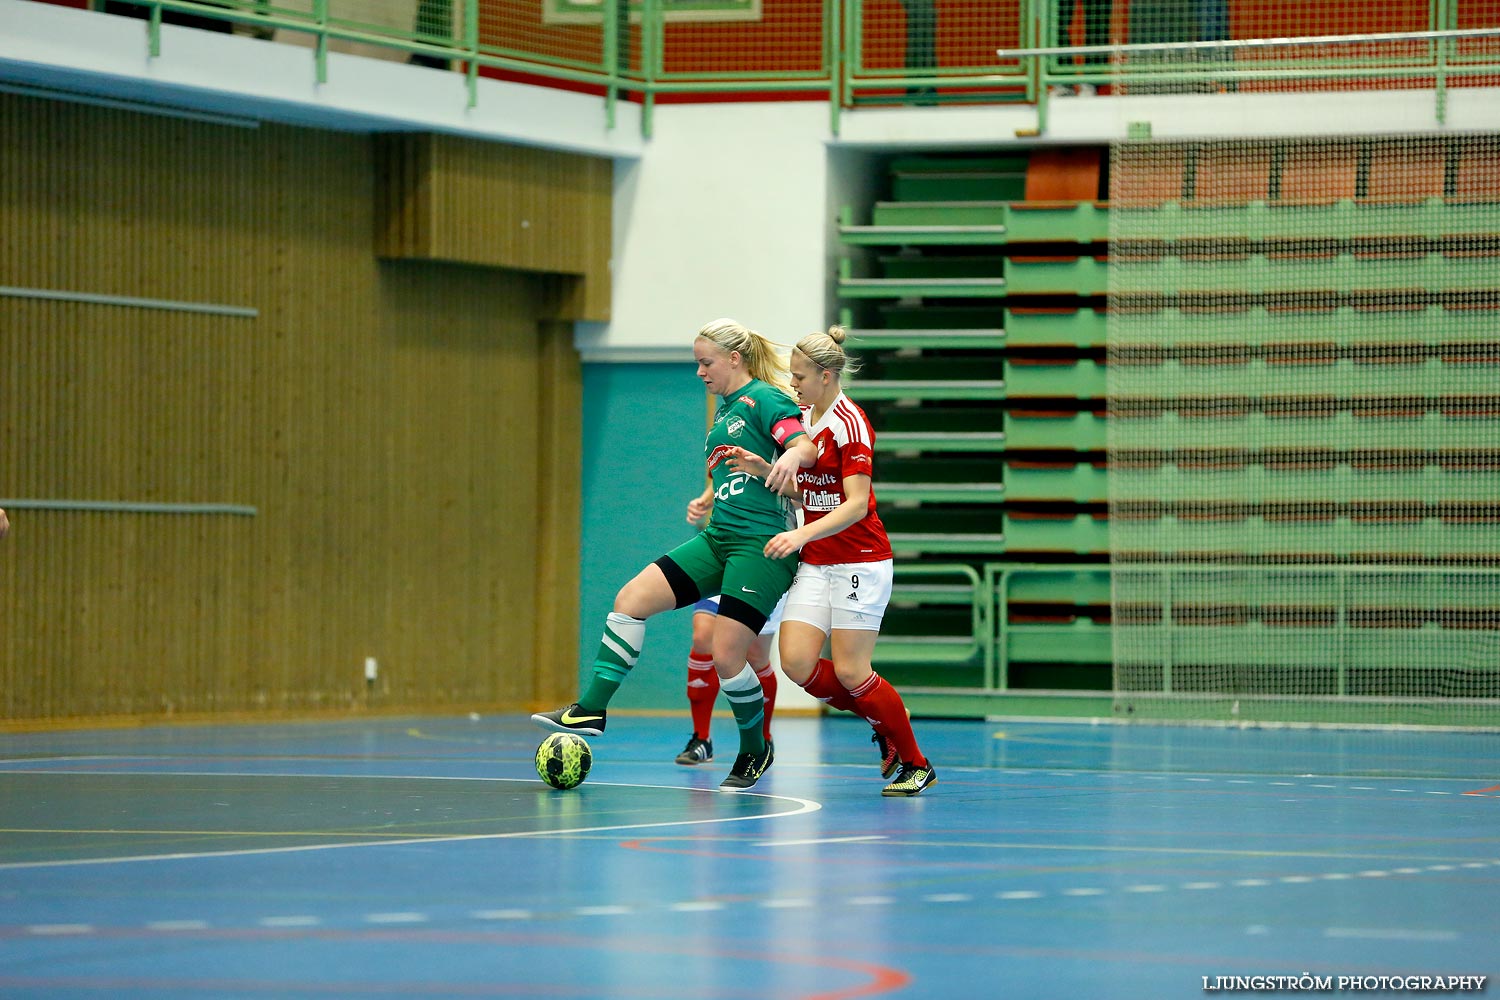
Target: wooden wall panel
[
  {"x": 455, "y": 199},
  {"x": 386, "y": 419}
]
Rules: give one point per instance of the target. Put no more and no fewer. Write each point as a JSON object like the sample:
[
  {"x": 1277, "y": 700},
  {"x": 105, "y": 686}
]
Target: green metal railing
[
  {"x": 1202, "y": 56},
  {"x": 866, "y": 52},
  {"x": 1291, "y": 670}
]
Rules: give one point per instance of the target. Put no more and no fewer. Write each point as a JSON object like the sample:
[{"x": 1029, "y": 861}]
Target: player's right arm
[
  {"x": 701, "y": 506},
  {"x": 752, "y": 464}
]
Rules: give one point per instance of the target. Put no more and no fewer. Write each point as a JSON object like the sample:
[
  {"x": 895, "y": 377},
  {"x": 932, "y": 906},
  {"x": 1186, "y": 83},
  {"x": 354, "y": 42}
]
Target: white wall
[{"x": 722, "y": 215}]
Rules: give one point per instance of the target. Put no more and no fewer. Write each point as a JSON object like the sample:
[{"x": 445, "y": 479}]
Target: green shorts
[{"x": 722, "y": 562}]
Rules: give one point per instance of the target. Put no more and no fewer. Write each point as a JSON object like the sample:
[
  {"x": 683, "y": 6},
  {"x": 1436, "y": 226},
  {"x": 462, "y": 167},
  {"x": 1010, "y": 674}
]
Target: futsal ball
[{"x": 563, "y": 760}]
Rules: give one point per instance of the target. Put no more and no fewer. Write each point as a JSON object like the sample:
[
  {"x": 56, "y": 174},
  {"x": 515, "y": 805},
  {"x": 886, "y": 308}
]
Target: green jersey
[{"x": 761, "y": 419}]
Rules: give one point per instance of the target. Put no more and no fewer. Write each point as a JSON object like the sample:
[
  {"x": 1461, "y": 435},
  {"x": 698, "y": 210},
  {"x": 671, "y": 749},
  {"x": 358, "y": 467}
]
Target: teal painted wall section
[{"x": 643, "y": 429}]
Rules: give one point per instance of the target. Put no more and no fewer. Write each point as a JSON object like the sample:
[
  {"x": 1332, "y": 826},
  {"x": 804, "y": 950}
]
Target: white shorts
[
  {"x": 842, "y": 596},
  {"x": 710, "y": 606}
]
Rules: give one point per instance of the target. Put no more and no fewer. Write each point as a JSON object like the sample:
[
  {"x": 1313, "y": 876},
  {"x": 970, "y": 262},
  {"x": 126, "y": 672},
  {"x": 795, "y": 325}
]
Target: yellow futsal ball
[{"x": 563, "y": 760}]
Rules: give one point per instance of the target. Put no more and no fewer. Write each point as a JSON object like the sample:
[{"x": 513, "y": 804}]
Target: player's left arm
[
  {"x": 853, "y": 510},
  {"x": 752, "y": 464},
  {"x": 799, "y": 452}
]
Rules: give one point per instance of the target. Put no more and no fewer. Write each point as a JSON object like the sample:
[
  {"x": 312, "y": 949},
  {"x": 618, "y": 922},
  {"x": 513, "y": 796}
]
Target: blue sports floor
[{"x": 423, "y": 858}]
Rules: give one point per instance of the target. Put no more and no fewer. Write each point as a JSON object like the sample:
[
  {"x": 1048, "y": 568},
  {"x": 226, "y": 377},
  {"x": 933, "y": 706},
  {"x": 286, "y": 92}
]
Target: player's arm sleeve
[
  {"x": 856, "y": 460},
  {"x": 785, "y": 431},
  {"x": 856, "y": 456},
  {"x": 786, "y": 424}
]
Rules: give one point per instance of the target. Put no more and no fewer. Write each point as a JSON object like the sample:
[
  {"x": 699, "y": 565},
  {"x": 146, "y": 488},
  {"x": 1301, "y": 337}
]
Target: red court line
[{"x": 879, "y": 979}]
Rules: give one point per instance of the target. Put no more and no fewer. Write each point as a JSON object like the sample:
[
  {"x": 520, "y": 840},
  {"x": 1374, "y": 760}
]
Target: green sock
[
  {"x": 748, "y": 703},
  {"x": 619, "y": 648}
]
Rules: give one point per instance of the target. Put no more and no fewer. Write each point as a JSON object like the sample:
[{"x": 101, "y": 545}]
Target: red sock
[
  {"x": 702, "y": 689},
  {"x": 824, "y": 685},
  {"x": 767, "y": 675},
  {"x": 882, "y": 707}
]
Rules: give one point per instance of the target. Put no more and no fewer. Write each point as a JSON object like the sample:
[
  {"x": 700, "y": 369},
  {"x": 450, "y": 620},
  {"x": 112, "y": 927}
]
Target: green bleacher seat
[
  {"x": 924, "y": 389},
  {"x": 920, "y": 543},
  {"x": 1261, "y": 274},
  {"x": 1047, "y": 327},
  {"x": 949, "y": 178},
  {"x": 925, "y": 340},
  {"x": 1079, "y": 378},
  {"x": 1056, "y": 275},
  {"x": 899, "y": 492},
  {"x": 1045, "y": 430},
  {"x": 942, "y": 441},
  {"x": 1079, "y": 482},
  {"x": 1062, "y": 533}
]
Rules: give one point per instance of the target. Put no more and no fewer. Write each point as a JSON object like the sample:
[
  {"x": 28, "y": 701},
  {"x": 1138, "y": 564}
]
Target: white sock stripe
[
  {"x": 745, "y": 680},
  {"x": 631, "y": 631},
  {"x": 624, "y": 652}
]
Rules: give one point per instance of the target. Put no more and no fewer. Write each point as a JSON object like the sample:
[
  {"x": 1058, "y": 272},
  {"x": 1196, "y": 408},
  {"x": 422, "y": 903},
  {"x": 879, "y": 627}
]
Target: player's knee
[
  {"x": 798, "y": 670},
  {"x": 852, "y": 675}
]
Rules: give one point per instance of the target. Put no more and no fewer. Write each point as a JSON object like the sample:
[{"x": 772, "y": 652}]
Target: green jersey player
[{"x": 756, "y": 413}]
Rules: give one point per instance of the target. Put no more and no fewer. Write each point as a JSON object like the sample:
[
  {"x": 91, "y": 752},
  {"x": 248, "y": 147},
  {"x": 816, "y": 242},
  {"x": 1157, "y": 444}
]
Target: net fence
[
  {"x": 1304, "y": 432},
  {"x": 933, "y": 37},
  {"x": 1199, "y": 63},
  {"x": 761, "y": 39}
]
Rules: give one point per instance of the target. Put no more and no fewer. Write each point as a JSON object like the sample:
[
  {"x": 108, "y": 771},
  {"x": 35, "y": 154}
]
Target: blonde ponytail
[
  {"x": 826, "y": 350},
  {"x": 763, "y": 358}
]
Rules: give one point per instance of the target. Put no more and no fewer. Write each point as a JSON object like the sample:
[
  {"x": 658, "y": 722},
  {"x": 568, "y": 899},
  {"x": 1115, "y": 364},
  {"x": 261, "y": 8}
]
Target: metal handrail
[
  {"x": 841, "y": 73},
  {"x": 1246, "y": 43},
  {"x": 980, "y": 602}
]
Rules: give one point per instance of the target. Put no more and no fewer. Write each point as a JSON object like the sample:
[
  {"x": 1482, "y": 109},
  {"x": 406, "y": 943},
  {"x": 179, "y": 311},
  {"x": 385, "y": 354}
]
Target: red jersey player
[{"x": 843, "y": 583}]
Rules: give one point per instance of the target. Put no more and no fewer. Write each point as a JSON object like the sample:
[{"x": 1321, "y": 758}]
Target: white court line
[
  {"x": 1389, "y": 934},
  {"x": 824, "y": 840},
  {"x": 501, "y": 914},
  {"x": 396, "y": 918},
  {"x": 71, "y": 758},
  {"x": 803, "y": 806}
]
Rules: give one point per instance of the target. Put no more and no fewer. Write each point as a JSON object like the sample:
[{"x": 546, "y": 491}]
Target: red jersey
[{"x": 845, "y": 443}]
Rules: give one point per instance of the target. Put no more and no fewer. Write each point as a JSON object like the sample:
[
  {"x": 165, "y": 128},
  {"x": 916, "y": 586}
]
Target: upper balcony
[{"x": 631, "y": 55}]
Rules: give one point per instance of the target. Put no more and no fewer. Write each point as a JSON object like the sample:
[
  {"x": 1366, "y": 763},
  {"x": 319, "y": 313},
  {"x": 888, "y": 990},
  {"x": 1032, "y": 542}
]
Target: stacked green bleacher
[
  {"x": 974, "y": 294},
  {"x": 1292, "y": 512},
  {"x": 1305, "y": 436}
]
